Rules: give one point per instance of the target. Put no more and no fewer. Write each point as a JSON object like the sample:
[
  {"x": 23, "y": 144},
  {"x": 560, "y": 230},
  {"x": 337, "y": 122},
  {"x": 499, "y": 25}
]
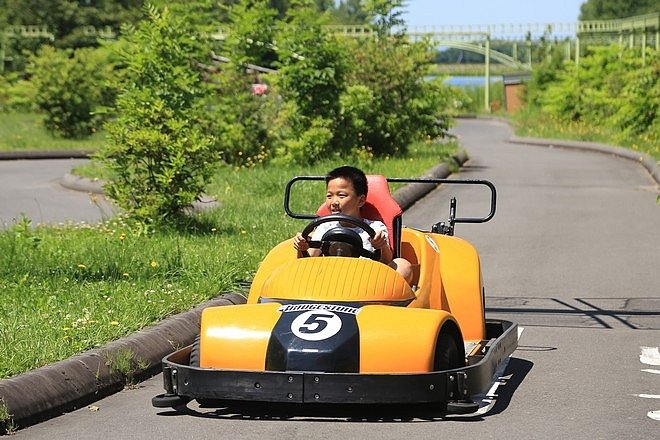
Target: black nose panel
[{"x": 315, "y": 337}]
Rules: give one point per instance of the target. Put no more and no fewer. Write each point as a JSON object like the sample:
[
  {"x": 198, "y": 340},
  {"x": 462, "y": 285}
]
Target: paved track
[
  {"x": 32, "y": 188},
  {"x": 572, "y": 255}
]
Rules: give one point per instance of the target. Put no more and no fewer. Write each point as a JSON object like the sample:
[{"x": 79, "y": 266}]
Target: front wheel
[
  {"x": 447, "y": 358},
  {"x": 446, "y": 353},
  {"x": 194, "y": 353}
]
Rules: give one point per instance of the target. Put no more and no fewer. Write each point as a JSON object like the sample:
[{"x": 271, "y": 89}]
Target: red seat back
[{"x": 380, "y": 205}]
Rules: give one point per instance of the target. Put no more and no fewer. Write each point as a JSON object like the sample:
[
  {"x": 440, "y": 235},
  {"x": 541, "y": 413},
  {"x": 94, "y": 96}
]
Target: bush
[
  {"x": 239, "y": 119},
  {"x": 70, "y": 87},
  {"x": 158, "y": 152},
  {"x": 609, "y": 88},
  {"x": 403, "y": 107},
  {"x": 17, "y": 94},
  {"x": 311, "y": 79}
]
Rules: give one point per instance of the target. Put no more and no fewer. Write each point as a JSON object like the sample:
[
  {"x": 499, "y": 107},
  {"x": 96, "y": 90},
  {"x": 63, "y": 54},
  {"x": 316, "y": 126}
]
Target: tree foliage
[
  {"x": 158, "y": 152},
  {"x": 611, "y": 9},
  {"x": 70, "y": 88},
  {"x": 609, "y": 88},
  {"x": 311, "y": 78},
  {"x": 388, "y": 74}
]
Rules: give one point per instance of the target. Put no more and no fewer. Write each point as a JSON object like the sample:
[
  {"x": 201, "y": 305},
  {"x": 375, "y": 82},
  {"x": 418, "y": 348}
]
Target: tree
[
  {"x": 388, "y": 103},
  {"x": 311, "y": 77},
  {"x": 160, "y": 157},
  {"x": 67, "y": 19},
  {"x": 71, "y": 86},
  {"x": 611, "y": 9}
]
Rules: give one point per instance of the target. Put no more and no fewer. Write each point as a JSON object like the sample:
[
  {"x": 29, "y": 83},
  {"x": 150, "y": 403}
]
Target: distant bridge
[
  {"x": 634, "y": 32},
  {"x": 641, "y": 31}
]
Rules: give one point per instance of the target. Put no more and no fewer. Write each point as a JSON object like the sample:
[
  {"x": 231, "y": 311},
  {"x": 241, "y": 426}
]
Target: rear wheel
[{"x": 194, "y": 353}]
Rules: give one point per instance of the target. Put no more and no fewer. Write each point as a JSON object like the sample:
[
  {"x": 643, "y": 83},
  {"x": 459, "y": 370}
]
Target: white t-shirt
[{"x": 375, "y": 225}]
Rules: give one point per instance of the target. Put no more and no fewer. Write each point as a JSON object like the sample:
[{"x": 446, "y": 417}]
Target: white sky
[{"x": 472, "y": 12}]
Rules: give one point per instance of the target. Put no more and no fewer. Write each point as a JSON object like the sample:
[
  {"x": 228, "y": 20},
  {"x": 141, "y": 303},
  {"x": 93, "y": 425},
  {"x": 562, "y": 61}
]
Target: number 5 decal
[{"x": 316, "y": 325}]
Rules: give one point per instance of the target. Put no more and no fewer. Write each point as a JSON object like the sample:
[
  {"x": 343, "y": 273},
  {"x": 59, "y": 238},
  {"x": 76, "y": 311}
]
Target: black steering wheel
[{"x": 332, "y": 241}]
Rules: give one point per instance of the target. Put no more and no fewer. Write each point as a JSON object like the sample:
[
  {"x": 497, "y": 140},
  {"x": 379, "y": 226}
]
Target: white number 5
[{"x": 316, "y": 325}]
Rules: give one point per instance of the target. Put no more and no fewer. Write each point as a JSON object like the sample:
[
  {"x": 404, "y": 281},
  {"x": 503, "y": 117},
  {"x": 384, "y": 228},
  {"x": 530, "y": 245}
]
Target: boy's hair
[{"x": 354, "y": 175}]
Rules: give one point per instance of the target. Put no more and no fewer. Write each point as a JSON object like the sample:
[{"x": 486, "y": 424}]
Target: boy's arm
[
  {"x": 302, "y": 247},
  {"x": 381, "y": 242}
]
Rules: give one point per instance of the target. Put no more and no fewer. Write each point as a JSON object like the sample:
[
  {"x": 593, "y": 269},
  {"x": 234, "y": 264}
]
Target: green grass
[
  {"x": 25, "y": 131},
  {"x": 534, "y": 123},
  {"x": 70, "y": 288}
]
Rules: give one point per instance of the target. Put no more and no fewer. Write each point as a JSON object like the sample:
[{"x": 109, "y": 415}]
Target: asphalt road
[
  {"x": 31, "y": 188},
  {"x": 572, "y": 255}
]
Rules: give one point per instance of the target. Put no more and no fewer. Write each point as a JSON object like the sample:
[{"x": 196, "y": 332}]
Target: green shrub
[
  {"x": 309, "y": 145},
  {"x": 17, "y": 94},
  {"x": 609, "y": 88},
  {"x": 239, "y": 120},
  {"x": 158, "y": 152},
  {"x": 70, "y": 87},
  {"x": 403, "y": 107},
  {"x": 311, "y": 79}
]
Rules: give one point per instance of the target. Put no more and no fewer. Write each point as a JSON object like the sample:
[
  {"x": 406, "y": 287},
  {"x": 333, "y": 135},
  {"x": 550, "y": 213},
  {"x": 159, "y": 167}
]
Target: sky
[{"x": 473, "y": 12}]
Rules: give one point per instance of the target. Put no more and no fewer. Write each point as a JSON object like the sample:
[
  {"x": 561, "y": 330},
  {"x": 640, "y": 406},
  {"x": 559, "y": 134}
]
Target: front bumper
[{"x": 184, "y": 383}]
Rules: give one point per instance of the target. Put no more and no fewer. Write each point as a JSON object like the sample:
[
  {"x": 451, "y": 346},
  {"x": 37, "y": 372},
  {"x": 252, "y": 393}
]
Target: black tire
[
  {"x": 446, "y": 353},
  {"x": 194, "y": 353}
]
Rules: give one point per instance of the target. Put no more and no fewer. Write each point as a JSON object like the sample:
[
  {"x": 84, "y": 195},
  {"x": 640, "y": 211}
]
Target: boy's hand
[
  {"x": 379, "y": 241},
  {"x": 299, "y": 243}
]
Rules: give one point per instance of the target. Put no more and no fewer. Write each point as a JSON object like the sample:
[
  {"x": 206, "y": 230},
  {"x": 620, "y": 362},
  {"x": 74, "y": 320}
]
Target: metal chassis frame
[{"x": 184, "y": 383}]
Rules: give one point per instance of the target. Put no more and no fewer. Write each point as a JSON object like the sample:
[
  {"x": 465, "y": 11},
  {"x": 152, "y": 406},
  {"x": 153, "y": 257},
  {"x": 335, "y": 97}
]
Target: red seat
[{"x": 380, "y": 205}]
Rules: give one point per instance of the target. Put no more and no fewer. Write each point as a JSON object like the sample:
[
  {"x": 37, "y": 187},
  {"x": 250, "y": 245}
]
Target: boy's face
[{"x": 341, "y": 198}]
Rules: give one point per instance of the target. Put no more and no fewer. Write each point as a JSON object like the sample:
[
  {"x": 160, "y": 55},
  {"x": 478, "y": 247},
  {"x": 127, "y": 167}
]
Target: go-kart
[{"x": 344, "y": 329}]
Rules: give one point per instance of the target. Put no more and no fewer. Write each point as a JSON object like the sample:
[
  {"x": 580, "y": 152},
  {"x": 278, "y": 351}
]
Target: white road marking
[{"x": 650, "y": 356}]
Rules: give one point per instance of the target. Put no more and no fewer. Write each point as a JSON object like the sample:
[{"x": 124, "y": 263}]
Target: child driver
[{"x": 346, "y": 192}]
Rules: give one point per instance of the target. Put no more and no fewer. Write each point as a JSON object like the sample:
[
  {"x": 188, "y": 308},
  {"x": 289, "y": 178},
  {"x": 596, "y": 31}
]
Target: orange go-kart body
[{"x": 340, "y": 329}]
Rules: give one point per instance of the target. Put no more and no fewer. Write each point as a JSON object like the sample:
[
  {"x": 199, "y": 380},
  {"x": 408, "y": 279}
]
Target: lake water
[
  {"x": 470, "y": 81},
  {"x": 467, "y": 81}
]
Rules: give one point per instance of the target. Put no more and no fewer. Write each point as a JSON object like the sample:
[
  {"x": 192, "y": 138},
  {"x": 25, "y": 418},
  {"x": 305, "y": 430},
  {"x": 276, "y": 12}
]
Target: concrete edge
[
  {"x": 652, "y": 166},
  {"x": 84, "y": 378},
  {"x": 78, "y": 183},
  {"x": 51, "y": 154},
  {"x": 409, "y": 194}
]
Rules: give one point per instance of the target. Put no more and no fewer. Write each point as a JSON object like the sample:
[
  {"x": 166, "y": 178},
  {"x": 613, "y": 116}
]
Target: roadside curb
[
  {"x": 78, "y": 183},
  {"x": 409, "y": 194},
  {"x": 652, "y": 166},
  {"x": 54, "y": 154},
  {"x": 69, "y": 384}
]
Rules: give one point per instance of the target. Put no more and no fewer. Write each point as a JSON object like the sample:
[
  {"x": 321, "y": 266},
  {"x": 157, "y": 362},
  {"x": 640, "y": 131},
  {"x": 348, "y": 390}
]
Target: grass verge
[
  {"x": 25, "y": 131},
  {"x": 69, "y": 288},
  {"x": 532, "y": 122}
]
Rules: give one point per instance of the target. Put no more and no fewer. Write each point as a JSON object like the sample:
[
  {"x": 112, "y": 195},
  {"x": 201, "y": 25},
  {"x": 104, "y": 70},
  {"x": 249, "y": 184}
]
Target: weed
[{"x": 7, "y": 425}]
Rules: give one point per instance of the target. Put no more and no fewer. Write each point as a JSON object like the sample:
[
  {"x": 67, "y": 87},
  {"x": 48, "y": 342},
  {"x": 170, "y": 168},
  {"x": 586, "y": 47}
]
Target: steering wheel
[{"x": 341, "y": 234}]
